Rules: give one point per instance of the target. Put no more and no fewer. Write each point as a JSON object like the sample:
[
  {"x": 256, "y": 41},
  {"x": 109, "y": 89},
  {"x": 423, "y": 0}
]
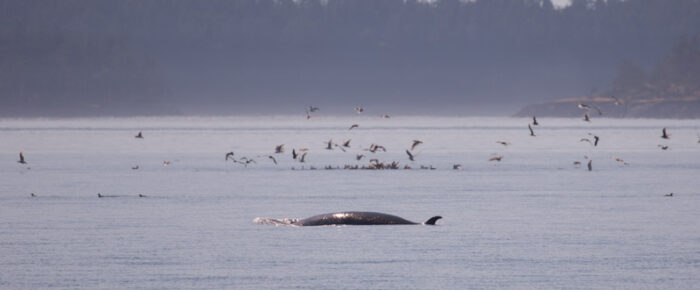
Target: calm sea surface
[{"x": 533, "y": 220}]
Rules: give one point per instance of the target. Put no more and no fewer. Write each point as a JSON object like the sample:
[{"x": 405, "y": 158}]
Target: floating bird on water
[
  {"x": 663, "y": 147},
  {"x": 329, "y": 144},
  {"x": 339, "y": 147},
  {"x": 595, "y": 143},
  {"x": 303, "y": 158},
  {"x": 272, "y": 158},
  {"x": 504, "y": 143},
  {"x": 577, "y": 164},
  {"x": 385, "y": 116},
  {"x": 457, "y": 166},
  {"x": 410, "y": 156},
  {"x": 32, "y": 195},
  {"x": 590, "y": 165},
  {"x": 135, "y": 167},
  {"x": 588, "y": 108},
  {"x": 142, "y": 195},
  {"x": 619, "y": 160},
  {"x": 139, "y": 135},
  {"x": 496, "y": 158},
  {"x": 534, "y": 121},
  {"x": 532, "y": 133},
  {"x": 346, "y": 144},
  {"x": 21, "y": 158},
  {"x": 359, "y": 110},
  {"x": 354, "y": 126},
  {"x": 664, "y": 135},
  {"x": 416, "y": 143},
  {"x": 279, "y": 149},
  {"x": 166, "y": 163},
  {"x": 359, "y": 156},
  {"x": 230, "y": 155},
  {"x": 669, "y": 195}
]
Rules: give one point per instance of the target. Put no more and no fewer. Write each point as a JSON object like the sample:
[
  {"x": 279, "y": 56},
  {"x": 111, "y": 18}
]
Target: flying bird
[
  {"x": 135, "y": 167},
  {"x": 385, "y": 116},
  {"x": 166, "y": 163},
  {"x": 139, "y": 135},
  {"x": 359, "y": 156},
  {"x": 329, "y": 144},
  {"x": 532, "y": 133},
  {"x": 590, "y": 165},
  {"x": 595, "y": 143},
  {"x": 410, "y": 156},
  {"x": 664, "y": 135},
  {"x": 496, "y": 158},
  {"x": 229, "y": 155},
  {"x": 279, "y": 149},
  {"x": 303, "y": 158},
  {"x": 21, "y": 158},
  {"x": 272, "y": 158},
  {"x": 586, "y": 118},
  {"x": 669, "y": 195},
  {"x": 142, "y": 195},
  {"x": 663, "y": 147},
  {"x": 354, "y": 126},
  {"x": 534, "y": 121},
  {"x": 416, "y": 143},
  {"x": 588, "y": 108},
  {"x": 346, "y": 144},
  {"x": 313, "y": 109},
  {"x": 617, "y": 101},
  {"x": 32, "y": 194},
  {"x": 457, "y": 166},
  {"x": 504, "y": 143},
  {"x": 294, "y": 154},
  {"x": 359, "y": 110}
]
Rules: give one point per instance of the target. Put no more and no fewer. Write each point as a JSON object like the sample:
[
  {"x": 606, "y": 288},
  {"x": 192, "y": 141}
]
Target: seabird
[
  {"x": 590, "y": 165},
  {"x": 166, "y": 163},
  {"x": 139, "y": 135},
  {"x": 279, "y": 148},
  {"x": 347, "y": 143},
  {"x": 410, "y": 156},
  {"x": 359, "y": 156},
  {"x": 385, "y": 116},
  {"x": 313, "y": 109},
  {"x": 588, "y": 108},
  {"x": 496, "y": 158},
  {"x": 620, "y": 160},
  {"x": 329, "y": 144},
  {"x": 272, "y": 158},
  {"x": 32, "y": 195},
  {"x": 294, "y": 154},
  {"x": 534, "y": 121},
  {"x": 416, "y": 143},
  {"x": 359, "y": 110},
  {"x": 664, "y": 135},
  {"x": 457, "y": 166},
  {"x": 504, "y": 143},
  {"x": 354, "y": 126},
  {"x": 586, "y": 118},
  {"x": 340, "y": 147},
  {"x": 303, "y": 158},
  {"x": 135, "y": 167},
  {"x": 21, "y": 158},
  {"x": 669, "y": 195},
  {"x": 617, "y": 101},
  {"x": 532, "y": 133},
  {"x": 577, "y": 163},
  {"x": 230, "y": 155},
  {"x": 142, "y": 195},
  {"x": 595, "y": 143},
  {"x": 663, "y": 147}
]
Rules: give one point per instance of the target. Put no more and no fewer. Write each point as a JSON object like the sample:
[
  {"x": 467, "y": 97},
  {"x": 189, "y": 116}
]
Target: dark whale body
[{"x": 359, "y": 218}]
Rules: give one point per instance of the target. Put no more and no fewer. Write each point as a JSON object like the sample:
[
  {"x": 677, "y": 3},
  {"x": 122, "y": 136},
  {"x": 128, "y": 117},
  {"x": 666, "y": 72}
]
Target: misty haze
[
  {"x": 253, "y": 57},
  {"x": 337, "y": 144}
]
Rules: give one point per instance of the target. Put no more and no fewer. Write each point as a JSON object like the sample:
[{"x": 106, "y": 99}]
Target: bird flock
[{"x": 371, "y": 153}]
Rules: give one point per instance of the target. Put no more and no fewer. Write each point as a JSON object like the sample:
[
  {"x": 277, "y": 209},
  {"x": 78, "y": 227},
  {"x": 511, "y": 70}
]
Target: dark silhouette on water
[
  {"x": 21, "y": 158},
  {"x": 359, "y": 218},
  {"x": 664, "y": 134},
  {"x": 139, "y": 135}
]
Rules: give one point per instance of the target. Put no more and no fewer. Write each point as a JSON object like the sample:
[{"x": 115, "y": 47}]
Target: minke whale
[{"x": 359, "y": 218}]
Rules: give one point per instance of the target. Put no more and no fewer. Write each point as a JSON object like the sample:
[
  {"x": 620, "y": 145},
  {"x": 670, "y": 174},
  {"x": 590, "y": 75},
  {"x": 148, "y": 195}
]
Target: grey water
[{"x": 533, "y": 220}]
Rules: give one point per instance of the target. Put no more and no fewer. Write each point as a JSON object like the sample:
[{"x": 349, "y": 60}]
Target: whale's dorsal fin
[{"x": 432, "y": 220}]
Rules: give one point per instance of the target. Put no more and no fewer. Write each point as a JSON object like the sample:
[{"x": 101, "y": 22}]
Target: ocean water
[{"x": 532, "y": 220}]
